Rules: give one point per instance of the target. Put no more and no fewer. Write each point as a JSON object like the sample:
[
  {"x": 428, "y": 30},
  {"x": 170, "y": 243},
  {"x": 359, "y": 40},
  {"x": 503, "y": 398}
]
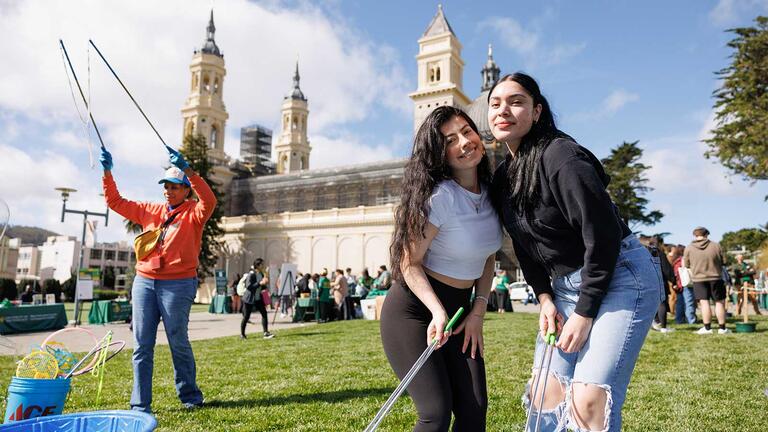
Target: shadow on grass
[{"x": 330, "y": 397}]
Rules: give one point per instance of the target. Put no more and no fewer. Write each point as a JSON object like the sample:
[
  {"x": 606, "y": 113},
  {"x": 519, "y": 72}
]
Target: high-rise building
[{"x": 256, "y": 149}]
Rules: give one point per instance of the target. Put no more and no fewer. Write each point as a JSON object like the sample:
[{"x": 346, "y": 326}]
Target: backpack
[{"x": 242, "y": 284}]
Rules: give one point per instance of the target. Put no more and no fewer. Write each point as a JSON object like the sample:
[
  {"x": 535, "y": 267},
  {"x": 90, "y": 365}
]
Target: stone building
[{"x": 335, "y": 217}]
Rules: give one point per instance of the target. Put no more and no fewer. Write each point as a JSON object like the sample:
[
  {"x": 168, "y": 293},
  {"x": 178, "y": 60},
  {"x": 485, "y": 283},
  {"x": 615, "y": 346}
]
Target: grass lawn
[{"x": 334, "y": 377}]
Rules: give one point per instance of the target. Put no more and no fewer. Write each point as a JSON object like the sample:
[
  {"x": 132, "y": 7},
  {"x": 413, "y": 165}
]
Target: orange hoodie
[{"x": 177, "y": 258}]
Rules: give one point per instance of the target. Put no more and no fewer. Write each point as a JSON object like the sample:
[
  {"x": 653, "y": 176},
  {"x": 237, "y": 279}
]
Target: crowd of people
[
  {"x": 337, "y": 294},
  {"x": 699, "y": 274}
]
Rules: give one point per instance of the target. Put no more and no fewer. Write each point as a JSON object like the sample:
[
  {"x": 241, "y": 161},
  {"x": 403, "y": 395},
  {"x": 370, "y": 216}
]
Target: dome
[{"x": 478, "y": 112}]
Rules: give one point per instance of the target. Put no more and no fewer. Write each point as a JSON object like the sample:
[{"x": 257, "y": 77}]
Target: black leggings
[
  {"x": 247, "y": 309},
  {"x": 450, "y": 381}
]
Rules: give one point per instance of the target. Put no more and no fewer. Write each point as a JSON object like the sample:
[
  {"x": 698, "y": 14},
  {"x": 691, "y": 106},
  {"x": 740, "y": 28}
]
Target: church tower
[
  {"x": 490, "y": 71},
  {"x": 292, "y": 147},
  {"x": 440, "y": 70},
  {"x": 204, "y": 112}
]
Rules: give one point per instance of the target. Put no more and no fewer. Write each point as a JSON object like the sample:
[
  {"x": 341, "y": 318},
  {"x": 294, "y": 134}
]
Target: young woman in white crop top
[{"x": 446, "y": 237}]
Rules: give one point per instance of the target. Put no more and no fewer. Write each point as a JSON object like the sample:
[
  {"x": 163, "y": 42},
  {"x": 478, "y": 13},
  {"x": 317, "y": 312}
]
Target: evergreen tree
[
  {"x": 132, "y": 227},
  {"x": 628, "y": 184},
  {"x": 195, "y": 151},
  {"x": 740, "y": 137},
  {"x": 752, "y": 239}
]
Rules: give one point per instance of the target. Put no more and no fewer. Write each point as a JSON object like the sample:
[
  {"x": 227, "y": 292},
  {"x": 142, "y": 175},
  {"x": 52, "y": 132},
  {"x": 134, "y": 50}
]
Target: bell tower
[
  {"x": 204, "y": 112},
  {"x": 440, "y": 70},
  {"x": 292, "y": 147}
]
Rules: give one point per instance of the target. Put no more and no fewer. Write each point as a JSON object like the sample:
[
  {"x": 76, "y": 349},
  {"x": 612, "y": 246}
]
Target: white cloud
[
  {"x": 527, "y": 42},
  {"x": 609, "y": 106},
  {"x": 728, "y": 12},
  {"x": 678, "y": 165},
  {"x": 347, "y": 150},
  {"x": 346, "y": 77}
]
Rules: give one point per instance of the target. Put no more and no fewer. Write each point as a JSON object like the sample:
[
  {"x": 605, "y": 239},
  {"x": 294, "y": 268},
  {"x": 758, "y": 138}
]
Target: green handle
[
  {"x": 453, "y": 320},
  {"x": 550, "y": 339}
]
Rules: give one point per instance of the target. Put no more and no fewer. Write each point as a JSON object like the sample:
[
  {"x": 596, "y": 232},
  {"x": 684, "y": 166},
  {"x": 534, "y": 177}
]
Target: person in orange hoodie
[{"x": 166, "y": 279}]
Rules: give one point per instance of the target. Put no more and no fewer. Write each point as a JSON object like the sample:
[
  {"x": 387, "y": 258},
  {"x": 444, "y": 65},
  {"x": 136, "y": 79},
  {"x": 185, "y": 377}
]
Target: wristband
[{"x": 483, "y": 298}]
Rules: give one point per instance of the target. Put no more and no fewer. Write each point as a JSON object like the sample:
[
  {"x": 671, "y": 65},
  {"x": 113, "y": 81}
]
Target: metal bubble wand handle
[
  {"x": 548, "y": 353},
  {"x": 409, "y": 376}
]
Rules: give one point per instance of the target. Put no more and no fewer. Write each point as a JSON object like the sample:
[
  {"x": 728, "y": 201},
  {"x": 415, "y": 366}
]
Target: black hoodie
[{"x": 574, "y": 225}]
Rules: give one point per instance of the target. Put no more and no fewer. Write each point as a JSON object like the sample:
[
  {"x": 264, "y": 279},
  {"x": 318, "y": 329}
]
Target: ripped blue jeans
[{"x": 618, "y": 332}]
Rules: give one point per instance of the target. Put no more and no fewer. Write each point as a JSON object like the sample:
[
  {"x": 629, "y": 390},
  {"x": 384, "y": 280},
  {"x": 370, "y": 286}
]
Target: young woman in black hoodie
[{"x": 599, "y": 288}]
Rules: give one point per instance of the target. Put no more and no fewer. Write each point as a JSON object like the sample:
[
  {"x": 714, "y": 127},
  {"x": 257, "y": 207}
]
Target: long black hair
[
  {"x": 426, "y": 168},
  {"x": 521, "y": 187}
]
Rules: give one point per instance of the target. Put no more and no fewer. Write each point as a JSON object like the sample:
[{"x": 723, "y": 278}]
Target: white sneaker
[
  {"x": 666, "y": 330},
  {"x": 723, "y": 331},
  {"x": 703, "y": 331},
  {"x": 656, "y": 326}
]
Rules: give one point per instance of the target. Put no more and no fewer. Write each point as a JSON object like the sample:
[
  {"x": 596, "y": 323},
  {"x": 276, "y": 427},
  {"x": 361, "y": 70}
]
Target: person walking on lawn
[
  {"x": 253, "y": 298},
  {"x": 166, "y": 278},
  {"x": 705, "y": 259}
]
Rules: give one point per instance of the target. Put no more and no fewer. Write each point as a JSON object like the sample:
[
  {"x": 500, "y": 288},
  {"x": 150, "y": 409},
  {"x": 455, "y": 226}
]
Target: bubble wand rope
[
  {"x": 74, "y": 75},
  {"x": 548, "y": 352},
  {"x": 98, "y": 370},
  {"x": 129, "y": 93},
  {"x": 410, "y": 375},
  {"x": 85, "y": 357}
]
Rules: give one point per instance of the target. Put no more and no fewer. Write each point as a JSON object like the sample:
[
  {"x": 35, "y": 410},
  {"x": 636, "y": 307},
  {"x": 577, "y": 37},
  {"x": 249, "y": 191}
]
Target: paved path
[{"x": 202, "y": 325}]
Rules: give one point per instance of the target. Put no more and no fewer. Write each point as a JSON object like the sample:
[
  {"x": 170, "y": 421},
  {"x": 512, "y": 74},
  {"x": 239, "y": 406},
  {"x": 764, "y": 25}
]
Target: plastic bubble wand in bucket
[
  {"x": 58, "y": 348},
  {"x": 410, "y": 375},
  {"x": 102, "y": 348}
]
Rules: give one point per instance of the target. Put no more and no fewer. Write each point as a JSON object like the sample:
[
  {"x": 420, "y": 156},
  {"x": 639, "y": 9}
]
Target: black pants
[
  {"x": 450, "y": 381},
  {"x": 247, "y": 309}
]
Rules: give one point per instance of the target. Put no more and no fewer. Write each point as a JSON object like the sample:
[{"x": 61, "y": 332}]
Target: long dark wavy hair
[
  {"x": 426, "y": 168},
  {"x": 521, "y": 187}
]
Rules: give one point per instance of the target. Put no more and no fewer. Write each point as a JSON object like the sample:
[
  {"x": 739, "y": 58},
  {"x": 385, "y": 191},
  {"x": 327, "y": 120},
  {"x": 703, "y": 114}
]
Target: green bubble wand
[
  {"x": 410, "y": 375},
  {"x": 548, "y": 354}
]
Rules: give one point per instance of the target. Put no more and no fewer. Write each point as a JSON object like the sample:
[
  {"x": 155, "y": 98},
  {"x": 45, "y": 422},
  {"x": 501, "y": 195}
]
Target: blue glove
[
  {"x": 177, "y": 159},
  {"x": 106, "y": 159}
]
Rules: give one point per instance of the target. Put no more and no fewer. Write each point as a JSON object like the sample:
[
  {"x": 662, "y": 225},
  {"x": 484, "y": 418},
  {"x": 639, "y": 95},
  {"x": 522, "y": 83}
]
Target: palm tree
[{"x": 133, "y": 228}]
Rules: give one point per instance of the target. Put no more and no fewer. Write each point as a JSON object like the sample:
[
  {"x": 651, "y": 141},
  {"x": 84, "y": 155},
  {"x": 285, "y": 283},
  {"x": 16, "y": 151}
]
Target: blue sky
[{"x": 613, "y": 71}]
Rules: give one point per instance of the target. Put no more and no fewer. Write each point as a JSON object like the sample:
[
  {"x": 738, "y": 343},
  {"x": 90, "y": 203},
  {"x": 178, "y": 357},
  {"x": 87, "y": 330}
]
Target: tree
[
  {"x": 628, "y": 184},
  {"x": 132, "y": 227},
  {"x": 740, "y": 137},
  {"x": 8, "y": 289},
  {"x": 195, "y": 151},
  {"x": 751, "y": 239}
]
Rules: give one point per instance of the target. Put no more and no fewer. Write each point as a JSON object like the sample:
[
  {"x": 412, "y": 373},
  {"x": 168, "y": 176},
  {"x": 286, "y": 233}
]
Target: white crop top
[{"x": 468, "y": 231}]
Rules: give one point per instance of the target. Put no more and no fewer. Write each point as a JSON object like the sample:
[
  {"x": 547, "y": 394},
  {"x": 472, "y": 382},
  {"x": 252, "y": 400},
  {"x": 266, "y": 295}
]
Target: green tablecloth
[
  {"x": 23, "y": 319},
  {"x": 304, "y": 305},
  {"x": 221, "y": 304},
  {"x": 105, "y": 311}
]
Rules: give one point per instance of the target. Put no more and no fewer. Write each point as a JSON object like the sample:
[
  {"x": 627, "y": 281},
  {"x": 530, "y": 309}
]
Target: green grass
[{"x": 334, "y": 377}]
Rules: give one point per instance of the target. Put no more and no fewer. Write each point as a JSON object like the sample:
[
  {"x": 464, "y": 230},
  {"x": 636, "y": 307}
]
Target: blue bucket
[{"x": 30, "y": 398}]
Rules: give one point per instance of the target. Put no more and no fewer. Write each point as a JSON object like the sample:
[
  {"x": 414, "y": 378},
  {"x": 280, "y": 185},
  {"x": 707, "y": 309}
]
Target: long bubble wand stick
[
  {"x": 410, "y": 375},
  {"x": 129, "y": 93}
]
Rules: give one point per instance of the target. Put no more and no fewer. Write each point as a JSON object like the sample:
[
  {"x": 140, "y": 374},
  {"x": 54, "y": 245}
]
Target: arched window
[
  {"x": 303, "y": 162},
  {"x": 437, "y": 74},
  {"x": 190, "y": 129},
  {"x": 286, "y": 123},
  {"x": 206, "y": 84},
  {"x": 294, "y": 123},
  {"x": 216, "y": 86},
  {"x": 431, "y": 74},
  {"x": 214, "y": 138}
]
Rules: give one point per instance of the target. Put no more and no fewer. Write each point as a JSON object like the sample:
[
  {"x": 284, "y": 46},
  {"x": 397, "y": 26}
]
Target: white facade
[
  {"x": 28, "y": 264},
  {"x": 59, "y": 257}
]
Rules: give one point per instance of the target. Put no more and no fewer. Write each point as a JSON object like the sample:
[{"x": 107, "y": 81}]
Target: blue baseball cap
[{"x": 175, "y": 175}]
